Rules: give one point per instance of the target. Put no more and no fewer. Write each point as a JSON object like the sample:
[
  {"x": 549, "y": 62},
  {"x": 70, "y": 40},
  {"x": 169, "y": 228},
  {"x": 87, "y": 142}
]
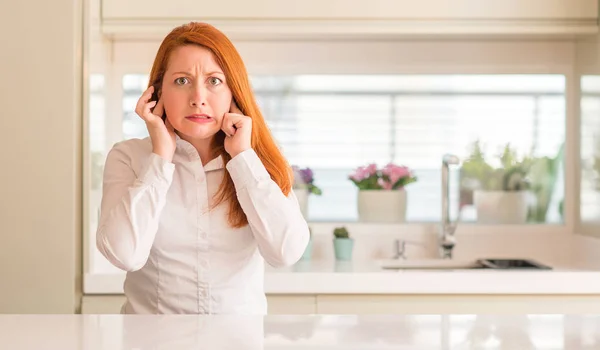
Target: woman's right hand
[{"x": 161, "y": 133}]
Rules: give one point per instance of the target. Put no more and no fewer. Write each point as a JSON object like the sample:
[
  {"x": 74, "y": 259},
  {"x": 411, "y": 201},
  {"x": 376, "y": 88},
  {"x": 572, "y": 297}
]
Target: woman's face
[{"x": 195, "y": 93}]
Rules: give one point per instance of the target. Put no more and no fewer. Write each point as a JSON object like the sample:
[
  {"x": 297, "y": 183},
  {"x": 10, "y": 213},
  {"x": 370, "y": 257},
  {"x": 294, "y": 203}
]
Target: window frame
[{"x": 135, "y": 58}]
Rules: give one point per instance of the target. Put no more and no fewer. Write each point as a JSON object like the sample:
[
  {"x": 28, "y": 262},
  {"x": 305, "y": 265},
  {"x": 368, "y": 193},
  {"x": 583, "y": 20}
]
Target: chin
[
  {"x": 199, "y": 133},
  {"x": 195, "y": 131}
]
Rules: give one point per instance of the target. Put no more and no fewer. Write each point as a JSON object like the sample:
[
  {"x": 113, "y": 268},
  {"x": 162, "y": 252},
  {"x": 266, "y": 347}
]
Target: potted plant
[
  {"x": 500, "y": 194},
  {"x": 342, "y": 244},
  {"x": 304, "y": 186},
  {"x": 381, "y": 192}
]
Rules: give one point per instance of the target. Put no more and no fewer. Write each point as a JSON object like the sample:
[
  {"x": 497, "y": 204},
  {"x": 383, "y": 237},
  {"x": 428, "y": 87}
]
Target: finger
[
  {"x": 239, "y": 120},
  {"x": 234, "y": 108},
  {"x": 147, "y": 112},
  {"x": 159, "y": 109},
  {"x": 139, "y": 108},
  {"x": 227, "y": 126}
]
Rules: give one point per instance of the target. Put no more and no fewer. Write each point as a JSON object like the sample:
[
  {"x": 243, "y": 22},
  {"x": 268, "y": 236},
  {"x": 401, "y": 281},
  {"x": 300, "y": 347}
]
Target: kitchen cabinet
[
  {"x": 306, "y": 304},
  {"x": 318, "y": 18},
  {"x": 278, "y": 304},
  {"x": 463, "y": 304}
]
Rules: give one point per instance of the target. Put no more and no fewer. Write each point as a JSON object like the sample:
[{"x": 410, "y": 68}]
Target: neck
[{"x": 202, "y": 146}]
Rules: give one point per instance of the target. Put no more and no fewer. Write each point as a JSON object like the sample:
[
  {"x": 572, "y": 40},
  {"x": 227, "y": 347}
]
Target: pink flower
[
  {"x": 395, "y": 173},
  {"x": 384, "y": 184},
  {"x": 362, "y": 172}
]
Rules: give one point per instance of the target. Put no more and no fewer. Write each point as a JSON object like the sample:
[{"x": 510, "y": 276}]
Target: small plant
[
  {"x": 342, "y": 244},
  {"x": 304, "y": 179},
  {"x": 340, "y": 232},
  {"x": 390, "y": 177}
]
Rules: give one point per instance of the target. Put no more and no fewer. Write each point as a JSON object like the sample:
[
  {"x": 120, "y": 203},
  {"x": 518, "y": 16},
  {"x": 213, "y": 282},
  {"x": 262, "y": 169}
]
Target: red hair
[{"x": 236, "y": 77}]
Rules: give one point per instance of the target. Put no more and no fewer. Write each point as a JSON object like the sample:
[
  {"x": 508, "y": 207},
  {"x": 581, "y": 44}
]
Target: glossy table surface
[{"x": 116, "y": 332}]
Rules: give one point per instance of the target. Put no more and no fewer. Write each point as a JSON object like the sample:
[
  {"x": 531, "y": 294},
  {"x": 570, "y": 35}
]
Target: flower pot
[
  {"x": 501, "y": 207},
  {"x": 302, "y": 196},
  {"x": 343, "y": 248},
  {"x": 308, "y": 251},
  {"x": 382, "y": 205}
]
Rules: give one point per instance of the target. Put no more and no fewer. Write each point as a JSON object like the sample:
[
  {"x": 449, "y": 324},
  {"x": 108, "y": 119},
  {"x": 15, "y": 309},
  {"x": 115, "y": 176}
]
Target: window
[
  {"x": 335, "y": 123},
  {"x": 98, "y": 149},
  {"x": 336, "y": 105}
]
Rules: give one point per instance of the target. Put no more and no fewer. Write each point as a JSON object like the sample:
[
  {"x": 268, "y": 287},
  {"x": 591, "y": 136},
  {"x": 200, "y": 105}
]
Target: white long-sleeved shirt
[{"x": 179, "y": 257}]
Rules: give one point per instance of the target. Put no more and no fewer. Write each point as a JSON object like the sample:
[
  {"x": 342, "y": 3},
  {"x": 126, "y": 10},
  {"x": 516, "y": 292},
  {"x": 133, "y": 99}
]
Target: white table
[{"x": 114, "y": 332}]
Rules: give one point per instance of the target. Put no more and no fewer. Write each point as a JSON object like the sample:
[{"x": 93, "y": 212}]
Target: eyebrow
[{"x": 209, "y": 73}]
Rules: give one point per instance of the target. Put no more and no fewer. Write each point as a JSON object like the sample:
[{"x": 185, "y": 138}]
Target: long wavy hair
[{"x": 236, "y": 76}]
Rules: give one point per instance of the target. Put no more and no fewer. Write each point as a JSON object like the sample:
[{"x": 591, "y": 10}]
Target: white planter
[
  {"x": 500, "y": 207},
  {"x": 381, "y": 206},
  {"x": 302, "y": 195}
]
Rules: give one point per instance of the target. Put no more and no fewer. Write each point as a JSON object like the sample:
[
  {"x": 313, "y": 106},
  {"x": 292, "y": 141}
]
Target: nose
[{"x": 198, "y": 97}]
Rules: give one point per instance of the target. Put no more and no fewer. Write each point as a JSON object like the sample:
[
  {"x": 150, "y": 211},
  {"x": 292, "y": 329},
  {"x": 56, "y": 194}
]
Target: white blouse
[{"x": 179, "y": 257}]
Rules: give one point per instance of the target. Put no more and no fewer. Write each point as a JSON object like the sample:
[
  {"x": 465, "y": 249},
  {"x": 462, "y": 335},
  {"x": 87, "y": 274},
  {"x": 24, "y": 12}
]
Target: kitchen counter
[
  {"x": 115, "y": 332},
  {"x": 331, "y": 277},
  {"x": 369, "y": 278}
]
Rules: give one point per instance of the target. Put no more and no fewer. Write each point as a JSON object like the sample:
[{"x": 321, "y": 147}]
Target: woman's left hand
[{"x": 238, "y": 130}]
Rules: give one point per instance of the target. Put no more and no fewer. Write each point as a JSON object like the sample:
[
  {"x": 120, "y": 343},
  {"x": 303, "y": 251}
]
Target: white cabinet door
[
  {"x": 292, "y": 304},
  {"x": 457, "y": 304},
  {"x": 102, "y": 304},
  {"x": 277, "y": 304},
  {"x": 397, "y": 304}
]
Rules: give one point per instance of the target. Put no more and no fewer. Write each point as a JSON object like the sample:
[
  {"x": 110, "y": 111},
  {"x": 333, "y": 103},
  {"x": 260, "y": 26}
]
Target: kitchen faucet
[{"x": 447, "y": 239}]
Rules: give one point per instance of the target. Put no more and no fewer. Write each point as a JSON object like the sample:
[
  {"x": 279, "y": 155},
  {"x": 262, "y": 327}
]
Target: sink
[
  {"x": 452, "y": 264},
  {"x": 429, "y": 264}
]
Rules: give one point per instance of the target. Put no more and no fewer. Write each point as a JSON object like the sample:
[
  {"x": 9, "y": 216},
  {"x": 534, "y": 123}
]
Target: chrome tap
[
  {"x": 401, "y": 248},
  {"x": 447, "y": 239}
]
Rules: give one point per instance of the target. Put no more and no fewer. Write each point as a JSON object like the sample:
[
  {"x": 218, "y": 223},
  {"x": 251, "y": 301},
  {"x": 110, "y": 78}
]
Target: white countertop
[
  {"x": 115, "y": 332},
  {"x": 331, "y": 277},
  {"x": 369, "y": 278}
]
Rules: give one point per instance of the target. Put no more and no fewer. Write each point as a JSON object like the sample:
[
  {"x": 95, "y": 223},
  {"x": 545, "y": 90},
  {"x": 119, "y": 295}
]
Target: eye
[
  {"x": 181, "y": 81},
  {"x": 214, "y": 81}
]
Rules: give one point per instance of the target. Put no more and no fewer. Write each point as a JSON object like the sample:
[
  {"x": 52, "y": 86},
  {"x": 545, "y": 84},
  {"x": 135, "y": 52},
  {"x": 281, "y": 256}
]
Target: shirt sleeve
[
  {"x": 276, "y": 221},
  {"x": 131, "y": 206}
]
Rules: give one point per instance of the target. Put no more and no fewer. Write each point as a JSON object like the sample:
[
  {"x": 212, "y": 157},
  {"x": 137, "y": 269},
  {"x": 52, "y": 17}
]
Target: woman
[{"x": 192, "y": 212}]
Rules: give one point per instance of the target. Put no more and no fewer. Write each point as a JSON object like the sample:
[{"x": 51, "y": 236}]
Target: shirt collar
[{"x": 215, "y": 164}]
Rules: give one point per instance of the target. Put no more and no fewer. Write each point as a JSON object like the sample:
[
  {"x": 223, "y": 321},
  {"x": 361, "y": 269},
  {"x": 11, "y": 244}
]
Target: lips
[{"x": 198, "y": 116}]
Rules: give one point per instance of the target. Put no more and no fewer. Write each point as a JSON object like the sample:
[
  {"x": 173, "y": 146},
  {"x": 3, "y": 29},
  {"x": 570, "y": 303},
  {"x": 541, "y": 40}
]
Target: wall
[
  {"x": 40, "y": 151},
  {"x": 40, "y": 210}
]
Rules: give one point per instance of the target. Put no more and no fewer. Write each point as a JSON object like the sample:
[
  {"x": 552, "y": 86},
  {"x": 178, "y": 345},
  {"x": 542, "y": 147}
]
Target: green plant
[
  {"x": 542, "y": 178},
  {"x": 561, "y": 208},
  {"x": 511, "y": 175},
  {"x": 535, "y": 174},
  {"x": 341, "y": 232}
]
